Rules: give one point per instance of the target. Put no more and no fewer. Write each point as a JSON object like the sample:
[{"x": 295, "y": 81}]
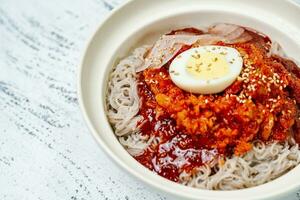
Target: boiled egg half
[{"x": 206, "y": 69}]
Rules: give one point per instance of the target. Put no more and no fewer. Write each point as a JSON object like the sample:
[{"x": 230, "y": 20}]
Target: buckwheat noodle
[{"x": 262, "y": 164}]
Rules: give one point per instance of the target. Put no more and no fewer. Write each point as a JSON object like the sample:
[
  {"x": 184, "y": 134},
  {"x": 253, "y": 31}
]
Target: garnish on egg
[{"x": 207, "y": 69}]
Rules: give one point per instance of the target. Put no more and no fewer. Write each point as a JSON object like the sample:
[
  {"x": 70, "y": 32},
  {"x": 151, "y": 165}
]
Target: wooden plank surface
[{"x": 46, "y": 151}]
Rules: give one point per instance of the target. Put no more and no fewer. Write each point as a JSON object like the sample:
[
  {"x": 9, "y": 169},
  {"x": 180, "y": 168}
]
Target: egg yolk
[{"x": 207, "y": 66}]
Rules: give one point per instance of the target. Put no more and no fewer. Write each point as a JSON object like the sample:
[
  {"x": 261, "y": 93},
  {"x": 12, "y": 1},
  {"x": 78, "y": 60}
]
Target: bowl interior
[{"x": 141, "y": 22}]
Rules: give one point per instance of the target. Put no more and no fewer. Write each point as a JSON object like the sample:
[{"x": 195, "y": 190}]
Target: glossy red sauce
[
  {"x": 175, "y": 151},
  {"x": 179, "y": 148}
]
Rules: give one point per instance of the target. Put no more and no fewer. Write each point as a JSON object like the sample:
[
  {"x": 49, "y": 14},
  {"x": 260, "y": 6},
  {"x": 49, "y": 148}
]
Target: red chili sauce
[{"x": 191, "y": 130}]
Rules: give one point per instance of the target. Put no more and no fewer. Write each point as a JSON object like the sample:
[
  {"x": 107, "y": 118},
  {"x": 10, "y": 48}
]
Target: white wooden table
[{"x": 46, "y": 151}]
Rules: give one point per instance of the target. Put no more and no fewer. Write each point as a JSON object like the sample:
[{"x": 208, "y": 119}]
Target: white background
[{"x": 46, "y": 151}]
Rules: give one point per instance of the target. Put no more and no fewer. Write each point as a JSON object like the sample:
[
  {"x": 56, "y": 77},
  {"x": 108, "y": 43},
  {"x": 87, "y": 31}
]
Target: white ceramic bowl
[{"x": 141, "y": 21}]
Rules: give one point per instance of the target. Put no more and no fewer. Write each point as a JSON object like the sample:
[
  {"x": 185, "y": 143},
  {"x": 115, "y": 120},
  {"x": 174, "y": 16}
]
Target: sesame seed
[{"x": 194, "y": 56}]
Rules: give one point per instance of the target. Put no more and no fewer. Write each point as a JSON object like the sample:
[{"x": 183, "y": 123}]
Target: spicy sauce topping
[{"x": 191, "y": 130}]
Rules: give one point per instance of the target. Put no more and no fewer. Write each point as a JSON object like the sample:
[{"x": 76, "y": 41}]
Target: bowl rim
[{"x": 105, "y": 147}]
